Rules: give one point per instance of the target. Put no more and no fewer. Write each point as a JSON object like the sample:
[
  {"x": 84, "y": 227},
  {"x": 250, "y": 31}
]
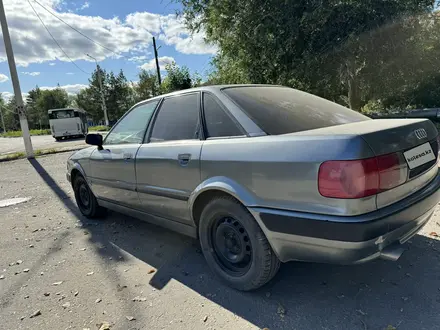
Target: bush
[
  {"x": 373, "y": 106},
  {"x": 99, "y": 128},
  {"x": 32, "y": 131}
]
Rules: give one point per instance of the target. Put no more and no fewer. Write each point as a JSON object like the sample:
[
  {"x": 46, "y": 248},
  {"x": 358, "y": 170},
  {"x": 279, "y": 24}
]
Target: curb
[{"x": 38, "y": 153}]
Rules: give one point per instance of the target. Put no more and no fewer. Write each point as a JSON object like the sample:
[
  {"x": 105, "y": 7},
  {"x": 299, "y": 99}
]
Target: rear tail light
[
  {"x": 350, "y": 179},
  {"x": 393, "y": 171}
]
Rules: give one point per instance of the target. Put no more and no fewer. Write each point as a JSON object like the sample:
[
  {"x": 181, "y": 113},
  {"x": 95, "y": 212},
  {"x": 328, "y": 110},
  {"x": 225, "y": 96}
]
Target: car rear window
[{"x": 282, "y": 110}]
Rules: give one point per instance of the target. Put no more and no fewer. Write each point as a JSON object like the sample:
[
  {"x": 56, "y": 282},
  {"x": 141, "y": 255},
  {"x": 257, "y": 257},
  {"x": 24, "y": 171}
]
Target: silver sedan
[{"x": 264, "y": 174}]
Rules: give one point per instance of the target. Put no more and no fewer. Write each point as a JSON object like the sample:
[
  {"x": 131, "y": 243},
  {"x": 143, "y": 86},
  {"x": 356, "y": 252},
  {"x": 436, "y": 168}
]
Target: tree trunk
[{"x": 354, "y": 98}]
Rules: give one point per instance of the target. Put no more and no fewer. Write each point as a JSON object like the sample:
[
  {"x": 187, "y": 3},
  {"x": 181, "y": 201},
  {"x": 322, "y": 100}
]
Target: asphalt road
[
  {"x": 12, "y": 145},
  {"x": 79, "y": 273}
]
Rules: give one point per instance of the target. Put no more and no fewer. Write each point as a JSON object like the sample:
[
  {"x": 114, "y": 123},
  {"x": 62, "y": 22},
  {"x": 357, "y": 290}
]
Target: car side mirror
[{"x": 94, "y": 140}]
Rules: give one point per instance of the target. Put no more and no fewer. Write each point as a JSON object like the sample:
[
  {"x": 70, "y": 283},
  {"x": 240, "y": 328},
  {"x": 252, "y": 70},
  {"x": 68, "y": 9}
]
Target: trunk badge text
[{"x": 420, "y": 133}]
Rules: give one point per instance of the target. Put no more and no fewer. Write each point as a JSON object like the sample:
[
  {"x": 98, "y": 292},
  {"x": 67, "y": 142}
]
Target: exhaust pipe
[{"x": 391, "y": 253}]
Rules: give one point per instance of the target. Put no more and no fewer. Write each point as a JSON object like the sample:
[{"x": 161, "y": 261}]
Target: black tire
[
  {"x": 234, "y": 245},
  {"x": 58, "y": 138},
  {"x": 86, "y": 201}
]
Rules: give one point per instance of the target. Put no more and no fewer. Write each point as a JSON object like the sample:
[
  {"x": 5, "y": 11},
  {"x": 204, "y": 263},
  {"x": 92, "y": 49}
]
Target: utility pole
[
  {"x": 3, "y": 120},
  {"x": 104, "y": 107},
  {"x": 16, "y": 84},
  {"x": 157, "y": 61}
]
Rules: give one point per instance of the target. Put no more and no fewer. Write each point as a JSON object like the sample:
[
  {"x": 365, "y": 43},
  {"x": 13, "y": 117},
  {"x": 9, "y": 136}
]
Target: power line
[
  {"x": 53, "y": 38},
  {"x": 76, "y": 30}
]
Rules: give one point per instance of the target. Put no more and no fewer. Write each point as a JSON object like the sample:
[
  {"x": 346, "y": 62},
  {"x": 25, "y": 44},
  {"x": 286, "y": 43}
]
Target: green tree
[
  {"x": 37, "y": 117},
  {"x": 330, "y": 48},
  {"x": 52, "y": 99},
  {"x": 120, "y": 95},
  {"x": 10, "y": 115},
  {"x": 89, "y": 98},
  {"x": 3, "y": 111},
  {"x": 147, "y": 86},
  {"x": 177, "y": 78}
]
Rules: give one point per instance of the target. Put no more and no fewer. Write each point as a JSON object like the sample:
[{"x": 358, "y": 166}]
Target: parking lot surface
[
  {"x": 59, "y": 270},
  {"x": 11, "y": 145}
]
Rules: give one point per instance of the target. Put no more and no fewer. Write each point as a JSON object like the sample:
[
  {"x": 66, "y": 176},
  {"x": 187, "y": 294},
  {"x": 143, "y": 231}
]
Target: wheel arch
[
  {"x": 217, "y": 187},
  {"x": 76, "y": 170}
]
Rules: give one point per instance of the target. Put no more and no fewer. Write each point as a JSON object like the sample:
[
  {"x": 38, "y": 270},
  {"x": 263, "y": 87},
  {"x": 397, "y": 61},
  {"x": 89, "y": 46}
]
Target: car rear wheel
[
  {"x": 234, "y": 245},
  {"x": 86, "y": 201}
]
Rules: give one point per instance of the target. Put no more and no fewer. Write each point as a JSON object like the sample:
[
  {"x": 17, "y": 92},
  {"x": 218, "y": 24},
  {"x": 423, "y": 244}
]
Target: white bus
[{"x": 68, "y": 122}]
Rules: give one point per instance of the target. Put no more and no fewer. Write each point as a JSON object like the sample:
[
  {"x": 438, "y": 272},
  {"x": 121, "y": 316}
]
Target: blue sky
[{"x": 125, "y": 27}]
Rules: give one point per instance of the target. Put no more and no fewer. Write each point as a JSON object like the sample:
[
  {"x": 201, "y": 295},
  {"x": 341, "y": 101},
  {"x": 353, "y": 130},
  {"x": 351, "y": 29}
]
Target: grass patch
[
  {"x": 45, "y": 152},
  {"x": 37, "y": 153},
  {"x": 32, "y": 131},
  {"x": 15, "y": 155},
  {"x": 99, "y": 129}
]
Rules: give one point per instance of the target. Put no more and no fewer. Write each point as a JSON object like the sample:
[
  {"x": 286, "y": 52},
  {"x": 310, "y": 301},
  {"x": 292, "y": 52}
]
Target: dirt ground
[{"x": 61, "y": 271}]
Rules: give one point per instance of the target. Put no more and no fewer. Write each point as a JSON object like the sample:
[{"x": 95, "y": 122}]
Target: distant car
[
  {"x": 263, "y": 174},
  {"x": 67, "y": 122}
]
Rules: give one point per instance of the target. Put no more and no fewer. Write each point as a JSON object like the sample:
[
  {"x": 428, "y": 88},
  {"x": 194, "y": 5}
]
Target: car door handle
[
  {"x": 184, "y": 159},
  {"x": 128, "y": 156}
]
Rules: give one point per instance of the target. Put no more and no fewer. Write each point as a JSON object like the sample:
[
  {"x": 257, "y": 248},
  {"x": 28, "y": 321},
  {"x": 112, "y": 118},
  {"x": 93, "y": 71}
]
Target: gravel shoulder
[{"x": 80, "y": 274}]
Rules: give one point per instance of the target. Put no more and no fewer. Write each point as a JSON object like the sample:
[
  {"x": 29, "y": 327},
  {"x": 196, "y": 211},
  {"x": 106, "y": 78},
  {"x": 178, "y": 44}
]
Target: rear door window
[
  {"x": 218, "y": 123},
  {"x": 282, "y": 110}
]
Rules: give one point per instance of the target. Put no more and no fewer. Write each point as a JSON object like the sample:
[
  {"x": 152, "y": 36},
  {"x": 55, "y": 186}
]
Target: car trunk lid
[
  {"x": 416, "y": 140},
  {"x": 391, "y": 135},
  {"x": 412, "y": 141}
]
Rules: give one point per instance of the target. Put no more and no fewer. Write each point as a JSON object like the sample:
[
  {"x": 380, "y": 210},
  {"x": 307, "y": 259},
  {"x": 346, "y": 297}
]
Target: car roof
[{"x": 207, "y": 89}]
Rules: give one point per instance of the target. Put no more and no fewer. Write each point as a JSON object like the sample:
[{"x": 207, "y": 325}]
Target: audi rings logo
[{"x": 420, "y": 133}]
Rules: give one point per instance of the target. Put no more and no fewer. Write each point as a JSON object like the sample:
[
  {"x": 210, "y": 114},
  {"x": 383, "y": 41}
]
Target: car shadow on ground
[
  {"x": 404, "y": 294},
  {"x": 70, "y": 139}
]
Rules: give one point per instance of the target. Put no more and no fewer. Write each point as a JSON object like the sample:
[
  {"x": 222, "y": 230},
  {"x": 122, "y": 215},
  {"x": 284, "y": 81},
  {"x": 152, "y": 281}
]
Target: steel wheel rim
[
  {"x": 231, "y": 246},
  {"x": 84, "y": 196}
]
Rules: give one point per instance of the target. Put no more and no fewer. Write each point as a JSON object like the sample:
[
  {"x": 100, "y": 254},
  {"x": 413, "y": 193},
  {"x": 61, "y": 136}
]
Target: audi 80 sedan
[{"x": 264, "y": 174}]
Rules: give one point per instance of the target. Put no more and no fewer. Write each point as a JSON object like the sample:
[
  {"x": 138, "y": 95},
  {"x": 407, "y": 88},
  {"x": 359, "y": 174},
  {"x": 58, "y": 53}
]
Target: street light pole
[
  {"x": 16, "y": 84},
  {"x": 104, "y": 107}
]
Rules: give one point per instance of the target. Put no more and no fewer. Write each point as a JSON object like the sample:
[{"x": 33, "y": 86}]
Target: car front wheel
[
  {"x": 234, "y": 245},
  {"x": 86, "y": 201}
]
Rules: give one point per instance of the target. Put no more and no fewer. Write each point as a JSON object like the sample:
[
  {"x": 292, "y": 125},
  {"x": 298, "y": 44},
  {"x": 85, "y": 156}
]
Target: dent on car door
[
  {"x": 168, "y": 165},
  {"x": 113, "y": 176}
]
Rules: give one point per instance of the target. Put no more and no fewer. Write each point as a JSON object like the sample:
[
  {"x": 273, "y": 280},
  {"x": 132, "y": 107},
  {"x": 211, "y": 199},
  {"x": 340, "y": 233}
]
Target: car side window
[
  {"x": 131, "y": 128},
  {"x": 177, "y": 119},
  {"x": 217, "y": 121}
]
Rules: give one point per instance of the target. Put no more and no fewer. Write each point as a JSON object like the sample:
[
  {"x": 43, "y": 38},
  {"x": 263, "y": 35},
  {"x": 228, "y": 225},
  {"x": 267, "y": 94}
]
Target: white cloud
[
  {"x": 84, "y": 6},
  {"x": 172, "y": 31},
  {"x": 52, "y": 64},
  {"x": 175, "y": 33},
  {"x": 32, "y": 43},
  {"x": 8, "y": 95},
  {"x": 35, "y": 73},
  {"x": 3, "y": 78},
  {"x": 70, "y": 89},
  {"x": 138, "y": 58},
  {"x": 151, "y": 65},
  {"x": 70, "y": 73}
]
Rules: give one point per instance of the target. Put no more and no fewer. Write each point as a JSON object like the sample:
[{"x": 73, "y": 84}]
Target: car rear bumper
[{"x": 351, "y": 239}]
